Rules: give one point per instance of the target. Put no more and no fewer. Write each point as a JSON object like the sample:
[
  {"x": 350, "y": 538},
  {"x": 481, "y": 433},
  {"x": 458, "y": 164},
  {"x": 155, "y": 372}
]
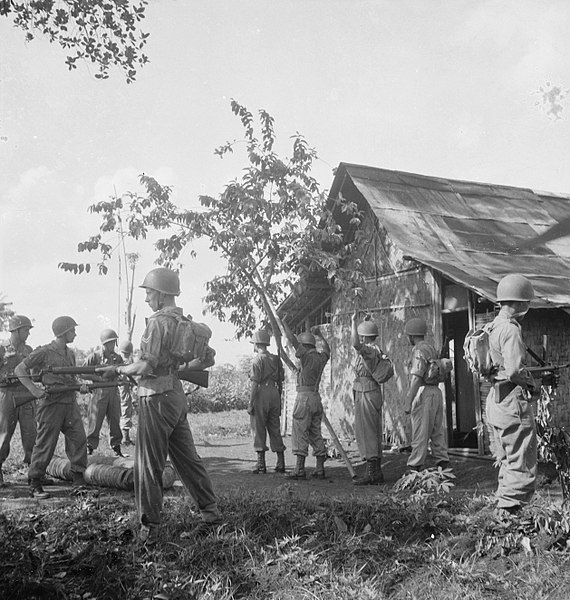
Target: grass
[{"x": 418, "y": 543}]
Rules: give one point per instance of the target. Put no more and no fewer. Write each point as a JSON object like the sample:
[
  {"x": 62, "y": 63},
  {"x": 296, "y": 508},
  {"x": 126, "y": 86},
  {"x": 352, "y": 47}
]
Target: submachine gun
[{"x": 548, "y": 373}]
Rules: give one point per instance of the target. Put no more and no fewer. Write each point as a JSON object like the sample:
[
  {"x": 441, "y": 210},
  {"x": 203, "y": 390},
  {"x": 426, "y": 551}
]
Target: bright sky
[{"x": 444, "y": 88}]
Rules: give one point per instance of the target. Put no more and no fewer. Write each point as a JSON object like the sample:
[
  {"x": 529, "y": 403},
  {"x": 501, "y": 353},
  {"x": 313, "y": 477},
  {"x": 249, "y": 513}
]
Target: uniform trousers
[
  {"x": 106, "y": 404},
  {"x": 163, "y": 431},
  {"x": 126, "y": 395},
  {"x": 514, "y": 446},
  {"x": 307, "y": 419},
  {"x": 53, "y": 419},
  {"x": 266, "y": 419},
  {"x": 10, "y": 416},
  {"x": 368, "y": 423},
  {"x": 427, "y": 426}
]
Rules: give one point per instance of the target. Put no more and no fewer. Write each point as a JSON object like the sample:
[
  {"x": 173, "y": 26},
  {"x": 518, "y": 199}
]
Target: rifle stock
[{"x": 200, "y": 378}]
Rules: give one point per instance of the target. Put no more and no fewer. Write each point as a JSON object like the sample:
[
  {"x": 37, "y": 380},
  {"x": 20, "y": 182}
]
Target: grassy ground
[{"x": 416, "y": 542}]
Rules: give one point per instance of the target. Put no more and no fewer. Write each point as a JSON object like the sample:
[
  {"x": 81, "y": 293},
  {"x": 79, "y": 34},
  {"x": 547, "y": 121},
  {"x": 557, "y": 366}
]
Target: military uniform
[
  {"x": 126, "y": 396},
  {"x": 56, "y": 413},
  {"x": 426, "y": 412},
  {"x": 367, "y": 396},
  {"x": 510, "y": 415},
  {"x": 163, "y": 428},
  {"x": 267, "y": 373},
  {"x": 16, "y": 404},
  {"x": 308, "y": 409},
  {"x": 105, "y": 403}
]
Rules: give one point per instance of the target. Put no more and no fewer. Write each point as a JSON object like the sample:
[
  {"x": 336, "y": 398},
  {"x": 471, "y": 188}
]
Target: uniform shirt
[
  {"x": 507, "y": 348},
  {"x": 11, "y": 355},
  {"x": 266, "y": 367},
  {"x": 53, "y": 355},
  {"x": 367, "y": 359},
  {"x": 422, "y": 353},
  {"x": 312, "y": 365},
  {"x": 102, "y": 358}
]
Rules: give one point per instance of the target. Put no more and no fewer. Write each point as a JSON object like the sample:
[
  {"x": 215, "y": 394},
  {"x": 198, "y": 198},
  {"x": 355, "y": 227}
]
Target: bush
[{"x": 228, "y": 390}]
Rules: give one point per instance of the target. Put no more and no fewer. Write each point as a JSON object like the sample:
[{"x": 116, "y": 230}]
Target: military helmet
[
  {"x": 368, "y": 329},
  {"x": 162, "y": 280},
  {"x": 261, "y": 337},
  {"x": 19, "y": 321},
  {"x": 126, "y": 347},
  {"x": 514, "y": 288},
  {"x": 415, "y": 326},
  {"x": 108, "y": 335},
  {"x": 62, "y": 325},
  {"x": 307, "y": 338}
]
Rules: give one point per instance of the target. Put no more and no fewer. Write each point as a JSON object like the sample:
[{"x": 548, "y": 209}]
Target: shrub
[{"x": 228, "y": 390}]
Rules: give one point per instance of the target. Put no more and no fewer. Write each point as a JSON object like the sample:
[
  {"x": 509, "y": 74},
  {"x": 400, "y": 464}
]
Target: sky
[{"x": 463, "y": 89}]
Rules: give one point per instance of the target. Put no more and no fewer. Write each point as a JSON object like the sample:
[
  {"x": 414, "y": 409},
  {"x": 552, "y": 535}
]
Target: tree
[
  {"x": 102, "y": 31},
  {"x": 272, "y": 226},
  {"x": 5, "y": 312}
]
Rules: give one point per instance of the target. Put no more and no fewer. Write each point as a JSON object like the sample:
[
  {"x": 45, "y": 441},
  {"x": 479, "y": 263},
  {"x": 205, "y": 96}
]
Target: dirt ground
[{"x": 230, "y": 463}]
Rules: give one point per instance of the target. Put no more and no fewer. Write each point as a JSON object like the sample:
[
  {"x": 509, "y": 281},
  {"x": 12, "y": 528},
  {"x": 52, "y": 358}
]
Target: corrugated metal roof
[{"x": 470, "y": 232}]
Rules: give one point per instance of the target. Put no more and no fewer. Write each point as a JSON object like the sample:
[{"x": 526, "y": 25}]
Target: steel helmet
[
  {"x": 261, "y": 337},
  {"x": 307, "y": 338},
  {"x": 162, "y": 280},
  {"x": 19, "y": 321},
  {"x": 62, "y": 325},
  {"x": 514, "y": 288},
  {"x": 415, "y": 326},
  {"x": 368, "y": 329},
  {"x": 126, "y": 347},
  {"x": 108, "y": 335}
]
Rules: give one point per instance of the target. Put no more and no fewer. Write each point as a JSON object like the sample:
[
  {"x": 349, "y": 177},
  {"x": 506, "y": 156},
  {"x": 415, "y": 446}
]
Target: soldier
[
  {"x": 105, "y": 402},
  {"x": 265, "y": 403},
  {"x": 367, "y": 400},
  {"x": 308, "y": 409},
  {"x": 509, "y": 412},
  {"x": 424, "y": 402},
  {"x": 16, "y": 404},
  {"x": 163, "y": 426},
  {"x": 126, "y": 394},
  {"x": 55, "y": 413}
]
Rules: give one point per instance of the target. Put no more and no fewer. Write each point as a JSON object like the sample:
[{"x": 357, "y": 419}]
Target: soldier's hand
[
  {"x": 109, "y": 372},
  {"x": 250, "y": 410},
  {"x": 39, "y": 391},
  {"x": 84, "y": 389},
  {"x": 316, "y": 330}
]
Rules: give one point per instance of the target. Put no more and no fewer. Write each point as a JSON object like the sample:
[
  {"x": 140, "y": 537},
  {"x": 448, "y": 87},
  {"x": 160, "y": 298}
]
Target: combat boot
[
  {"x": 2, "y": 483},
  {"x": 280, "y": 466},
  {"x": 36, "y": 490},
  {"x": 117, "y": 450},
  {"x": 127, "y": 438},
  {"x": 260, "y": 469},
  {"x": 299, "y": 472},
  {"x": 319, "y": 472},
  {"x": 373, "y": 475}
]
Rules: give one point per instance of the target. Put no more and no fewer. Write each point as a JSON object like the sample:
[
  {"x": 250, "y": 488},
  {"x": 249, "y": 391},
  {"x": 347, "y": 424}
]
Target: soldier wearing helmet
[
  {"x": 105, "y": 402},
  {"x": 55, "y": 413},
  {"x": 15, "y": 401},
  {"x": 163, "y": 428},
  {"x": 308, "y": 409},
  {"x": 367, "y": 396},
  {"x": 266, "y": 375},
  {"x": 508, "y": 410},
  {"x": 126, "y": 394},
  {"x": 424, "y": 402}
]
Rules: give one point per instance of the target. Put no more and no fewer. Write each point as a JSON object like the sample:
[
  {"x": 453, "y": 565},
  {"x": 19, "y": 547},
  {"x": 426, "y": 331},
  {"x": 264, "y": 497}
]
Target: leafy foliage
[
  {"x": 273, "y": 226},
  {"x": 102, "y": 31},
  {"x": 228, "y": 390},
  {"x": 5, "y": 312}
]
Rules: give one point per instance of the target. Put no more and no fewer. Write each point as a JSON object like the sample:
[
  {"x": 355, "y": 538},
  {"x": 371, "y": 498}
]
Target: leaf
[{"x": 340, "y": 524}]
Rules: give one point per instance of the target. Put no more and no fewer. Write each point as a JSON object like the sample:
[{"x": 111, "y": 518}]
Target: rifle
[
  {"x": 197, "y": 377},
  {"x": 62, "y": 389}
]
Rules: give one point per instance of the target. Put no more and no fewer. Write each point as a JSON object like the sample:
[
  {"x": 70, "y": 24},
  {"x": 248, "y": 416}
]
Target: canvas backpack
[
  {"x": 477, "y": 353},
  {"x": 437, "y": 371},
  {"x": 190, "y": 340}
]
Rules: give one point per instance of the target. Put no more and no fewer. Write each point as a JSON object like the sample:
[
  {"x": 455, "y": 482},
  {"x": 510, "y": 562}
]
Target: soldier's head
[
  {"x": 367, "y": 331},
  {"x": 515, "y": 292},
  {"x": 260, "y": 340},
  {"x": 109, "y": 339},
  {"x": 162, "y": 285},
  {"x": 19, "y": 327},
  {"x": 307, "y": 339},
  {"x": 126, "y": 349},
  {"x": 64, "y": 328},
  {"x": 415, "y": 329}
]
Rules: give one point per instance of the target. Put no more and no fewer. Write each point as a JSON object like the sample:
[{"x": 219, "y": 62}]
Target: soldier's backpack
[
  {"x": 477, "y": 353},
  {"x": 438, "y": 370},
  {"x": 191, "y": 340}
]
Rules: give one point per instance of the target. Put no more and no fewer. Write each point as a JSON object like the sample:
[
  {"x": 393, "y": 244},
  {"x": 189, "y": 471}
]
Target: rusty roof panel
[{"x": 470, "y": 231}]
